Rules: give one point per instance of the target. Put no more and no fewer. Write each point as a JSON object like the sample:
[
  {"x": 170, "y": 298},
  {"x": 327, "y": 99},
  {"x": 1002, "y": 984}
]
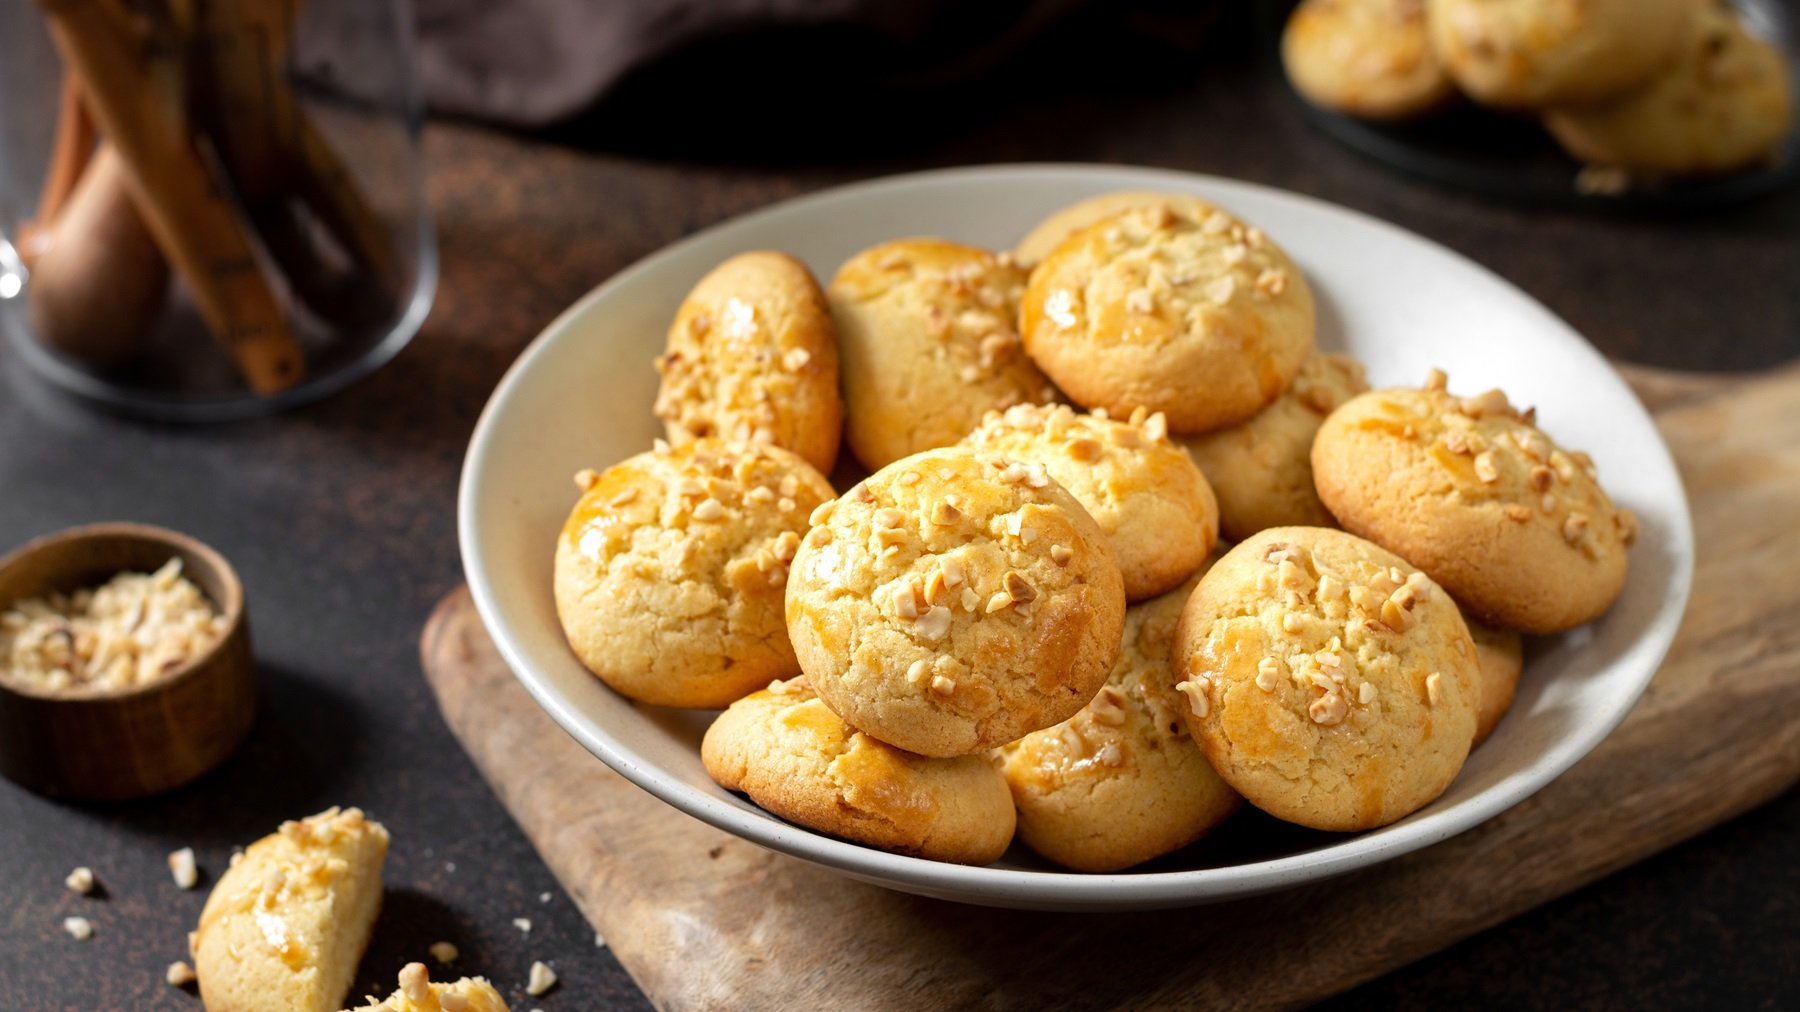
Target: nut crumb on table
[
  {"x": 81, "y": 880},
  {"x": 183, "y": 868}
]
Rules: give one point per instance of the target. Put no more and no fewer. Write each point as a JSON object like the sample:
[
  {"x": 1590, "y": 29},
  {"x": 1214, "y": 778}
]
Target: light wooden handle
[{"x": 130, "y": 94}]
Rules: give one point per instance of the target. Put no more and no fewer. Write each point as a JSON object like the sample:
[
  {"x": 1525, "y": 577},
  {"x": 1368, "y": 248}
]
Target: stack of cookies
[
  {"x": 1017, "y": 618},
  {"x": 1642, "y": 87}
]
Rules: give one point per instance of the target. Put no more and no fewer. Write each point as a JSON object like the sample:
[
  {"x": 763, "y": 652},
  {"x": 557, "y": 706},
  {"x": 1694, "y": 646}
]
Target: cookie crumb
[
  {"x": 179, "y": 974},
  {"x": 542, "y": 979},
  {"x": 81, "y": 880},
  {"x": 183, "y": 868},
  {"x": 79, "y": 928},
  {"x": 444, "y": 952},
  {"x": 415, "y": 983}
]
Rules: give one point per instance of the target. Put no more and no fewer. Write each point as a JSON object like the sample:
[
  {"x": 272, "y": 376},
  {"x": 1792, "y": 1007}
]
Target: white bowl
[{"x": 581, "y": 396}]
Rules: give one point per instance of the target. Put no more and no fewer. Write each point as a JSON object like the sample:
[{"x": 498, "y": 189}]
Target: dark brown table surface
[{"x": 340, "y": 518}]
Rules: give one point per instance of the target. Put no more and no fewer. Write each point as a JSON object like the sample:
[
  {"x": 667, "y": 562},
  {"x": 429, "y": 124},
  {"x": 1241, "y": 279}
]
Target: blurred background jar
[{"x": 210, "y": 209}]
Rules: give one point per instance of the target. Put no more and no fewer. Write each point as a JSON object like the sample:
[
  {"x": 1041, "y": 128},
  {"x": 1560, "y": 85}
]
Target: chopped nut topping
[
  {"x": 1431, "y": 688},
  {"x": 1199, "y": 693},
  {"x": 944, "y": 514},
  {"x": 917, "y": 670},
  {"x": 1021, "y": 589},
  {"x": 179, "y": 974},
  {"x": 1540, "y": 478},
  {"x": 952, "y": 568},
  {"x": 1547, "y": 503},
  {"x": 1141, "y": 301},
  {"x": 690, "y": 488},
  {"x": 709, "y": 509},
  {"x": 1292, "y": 622},
  {"x": 1105, "y": 707},
  {"x": 1268, "y": 674},
  {"x": 969, "y": 374},
  {"x": 1083, "y": 448},
  {"x": 1272, "y": 282},
  {"x": 905, "y": 596},
  {"x": 942, "y": 686},
  {"x": 81, "y": 880},
  {"x": 1485, "y": 469},
  {"x": 1330, "y": 587},
  {"x": 821, "y": 512},
  {"x": 1235, "y": 253},
  {"x": 970, "y": 599},
  {"x": 415, "y": 983},
  {"x": 934, "y": 624},
  {"x": 1574, "y": 527},
  {"x": 1061, "y": 554},
  {"x": 1328, "y": 709},
  {"x": 1627, "y": 522},
  {"x": 934, "y": 586},
  {"x": 1396, "y": 617},
  {"x": 79, "y": 928},
  {"x": 1488, "y": 402},
  {"x": 1517, "y": 512},
  {"x": 887, "y": 516},
  {"x": 1436, "y": 380},
  {"x": 795, "y": 359},
  {"x": 1109, "y": 755},
  {"x": 1532, "y": 445},
  {"x": 909, "y": 477},
  {"x": 1129, "y": 438},
  {"x": 1000, "y": 599},
  {"x": 542, "y": 979},
  {"x": 1366, "y": 694},
  {"x": 183, "y": 868},
  {"x": 1220, "y": 290},
  {"x": 1215, "y": 223},
  {"x": 586, "y": 478},
  {"x": 659, "y": 445}
]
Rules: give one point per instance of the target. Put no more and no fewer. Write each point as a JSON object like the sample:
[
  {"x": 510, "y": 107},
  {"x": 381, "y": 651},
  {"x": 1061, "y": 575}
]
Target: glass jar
[{"x": 210, "y": 209}]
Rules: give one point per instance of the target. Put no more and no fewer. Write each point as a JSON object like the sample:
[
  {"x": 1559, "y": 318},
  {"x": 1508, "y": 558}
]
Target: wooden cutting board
[{"x": 703, "y": 920}]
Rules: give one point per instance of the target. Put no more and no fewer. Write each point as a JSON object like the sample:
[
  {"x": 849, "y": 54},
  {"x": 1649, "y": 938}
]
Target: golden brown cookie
[
  {"x": 1367, "y": 58},
  {"x": 1151, "y": 502},
  {"x": 1175, "y": 307},
  {"x": 1726, "y": 104},
  {"x": 1122, "y": 781},
  {"x": 1329, "y": 682},
  {"x": 752, "y": 356},
  {"x": 1261, "y": 470},
  {"x": 671, "y": 568},
  {"x": 287, "y": 923},
  {"x": 418, "y": 993},
  {"x": 784, "y": 748},
  {"x": 1538, "y": 53},
  {"x": 1500, "y": 654},
  {"x": 929, "y": 340},
  {"x": 955, "y": 601},
  {"x": 1046, "y": 235},
  {"x": 1471, "y": 491}
]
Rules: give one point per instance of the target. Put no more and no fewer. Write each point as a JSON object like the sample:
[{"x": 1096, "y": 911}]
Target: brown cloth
[{"x": 533, "y": 63}]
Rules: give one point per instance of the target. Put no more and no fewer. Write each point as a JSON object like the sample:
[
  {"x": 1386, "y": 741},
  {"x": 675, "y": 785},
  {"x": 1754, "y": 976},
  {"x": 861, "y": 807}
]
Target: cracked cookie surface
[
  {"x": 929, "y": 338},
  {"x": 1121, "y": 782},
  {"x": 1261, "y": 470},
  {"x": 1470, "y": 490},
  {"x": 955, "y": 601},
  {"x": 1177, "y": 307},
  {"x": 752, "y": 356},
  {"x": 1147, "y": 496},
  {"x": 1329, "y": 682},
  {"x": 671, "y": 568},
  {"x": 785, "y": 749}
]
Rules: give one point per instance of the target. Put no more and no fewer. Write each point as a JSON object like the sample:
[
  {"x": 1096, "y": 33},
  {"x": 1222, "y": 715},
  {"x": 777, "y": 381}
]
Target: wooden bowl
[{"x": 100, "y": 745}]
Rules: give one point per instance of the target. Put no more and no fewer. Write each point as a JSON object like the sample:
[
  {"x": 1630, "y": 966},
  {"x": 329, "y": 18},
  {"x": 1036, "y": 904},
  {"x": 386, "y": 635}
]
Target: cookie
[
  {"x": 1046, "y": 235},
  {"x": 1367, "y": 58},
  {"x": 1537, "y": 53},
  {"x": 929, "y": 341},
  {"x": 1261, "y": 470},
  {"x": 1472, "y": 492},
  {"x": 955, "y": 601},
  {"x": 1176, "y": 307},
  {"x": 752, "y": 356},
  {"x": 1122, "y": 781},
  {"x": 418, "y": 993},
  {"x": 1329, "y": 682},
  {"x": 785, "y": 749},
  {"x": 288, "y": 921},
  {"x": 1725, "y": 105},
  {"x": 671, "y": 568},
  {"x": 1500, "y": 653},
  {"x": 1151, "y": 502}
]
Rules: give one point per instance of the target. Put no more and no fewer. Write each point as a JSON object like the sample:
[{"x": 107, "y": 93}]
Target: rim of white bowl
[{"x": 1056, "y": 889}]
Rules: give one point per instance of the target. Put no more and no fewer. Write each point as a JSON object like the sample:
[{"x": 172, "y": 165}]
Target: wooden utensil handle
[{"x": 124, "y": 77}]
